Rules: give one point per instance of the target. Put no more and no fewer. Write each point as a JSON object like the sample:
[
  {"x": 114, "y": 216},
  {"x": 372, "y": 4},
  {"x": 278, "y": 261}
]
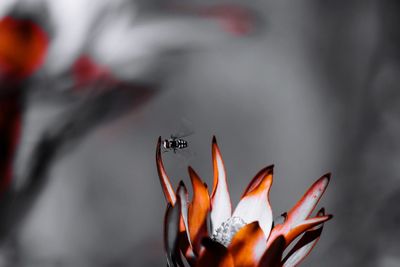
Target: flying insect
[
  {"x": 174, "y": 144},
  {"x": 177, "y": 142}
]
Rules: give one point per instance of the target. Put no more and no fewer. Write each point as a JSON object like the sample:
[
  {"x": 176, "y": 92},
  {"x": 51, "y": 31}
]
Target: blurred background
[{"x": 310, "y": 86}]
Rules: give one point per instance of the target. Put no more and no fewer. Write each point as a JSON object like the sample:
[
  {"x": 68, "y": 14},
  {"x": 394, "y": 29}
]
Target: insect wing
[{"x": 185, "y": 129}]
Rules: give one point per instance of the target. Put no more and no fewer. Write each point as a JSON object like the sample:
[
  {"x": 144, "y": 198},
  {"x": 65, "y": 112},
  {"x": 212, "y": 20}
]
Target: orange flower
[{"x": 205, "y": 231}]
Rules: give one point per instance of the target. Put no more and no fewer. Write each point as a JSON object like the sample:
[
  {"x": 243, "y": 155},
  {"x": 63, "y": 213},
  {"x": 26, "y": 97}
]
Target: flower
[
  {"x": 247, "y": 237},
  {"x": 23, "y": 47}
]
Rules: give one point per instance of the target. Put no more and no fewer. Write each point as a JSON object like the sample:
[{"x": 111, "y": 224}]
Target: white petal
[
  {"x": 255, "y": 206},
  {"x": 221, "y": 207}
]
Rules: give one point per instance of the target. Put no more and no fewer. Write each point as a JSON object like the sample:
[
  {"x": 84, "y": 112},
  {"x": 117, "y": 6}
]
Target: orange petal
[
  {"x": 198, "y": 211},
  {"x": 273, "y": 256},
  {"x": 304, "y": 246},
  {"x": 164, "y": 179},
  {"x": 248, "y": 245},
  {"x": 255, "y": 206},
  {"x": 221, "y": 207},
  {"x": 256, "y": 180},
  {"x": 214, "y": 255}
]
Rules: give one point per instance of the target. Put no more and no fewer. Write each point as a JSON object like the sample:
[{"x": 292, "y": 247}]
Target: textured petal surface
[
  {"x": 255, "y": 206},
  {"x": 164, "y": 179},
  {"x": 248, "y": 245},
  {"x": 198, "y": 211},
  {"x": 273, "y": 256},
  {"x": 214, "y": 255},
  {"x": 304, "y": 246},
  {"x": 221, "y": 207}
]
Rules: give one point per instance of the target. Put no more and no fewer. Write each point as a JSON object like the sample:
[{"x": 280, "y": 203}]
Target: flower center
[{"x": 227, "y": 230}]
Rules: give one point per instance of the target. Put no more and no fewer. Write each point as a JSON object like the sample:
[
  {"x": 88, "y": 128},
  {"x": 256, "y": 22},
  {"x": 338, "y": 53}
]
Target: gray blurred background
[{"x": 314, "y": 88}]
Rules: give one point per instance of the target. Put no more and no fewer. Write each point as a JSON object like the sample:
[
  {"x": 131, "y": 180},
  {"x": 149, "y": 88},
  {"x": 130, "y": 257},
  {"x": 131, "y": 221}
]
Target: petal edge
[
  {"x": 221, "y": 207},
  {"x": 164, "y": 179}
]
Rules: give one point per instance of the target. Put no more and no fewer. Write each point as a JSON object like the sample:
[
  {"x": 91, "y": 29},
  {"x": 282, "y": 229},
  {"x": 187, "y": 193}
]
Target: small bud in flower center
[{"x": 227, "y": 230}]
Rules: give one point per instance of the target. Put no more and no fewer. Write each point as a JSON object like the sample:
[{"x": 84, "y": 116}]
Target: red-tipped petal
[
  {"x": 255, "y": 206},
  {"x": 256, "y": 180},
  {"x": 214, "y": 255},
  {"x": 164, "y": 179},
  {"x": 304, "y": 246},
  {"x": 221, "y": 207},
  {"x": 198, "y": 211},
  {"x": 273, "y": 256},
  {"x": 305, "y": 206},
  {"x": 248, "y": 245}
]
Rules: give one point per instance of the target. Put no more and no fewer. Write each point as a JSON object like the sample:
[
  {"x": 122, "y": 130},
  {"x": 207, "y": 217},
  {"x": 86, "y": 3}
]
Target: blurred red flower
[{"x": 23, "y": 46}]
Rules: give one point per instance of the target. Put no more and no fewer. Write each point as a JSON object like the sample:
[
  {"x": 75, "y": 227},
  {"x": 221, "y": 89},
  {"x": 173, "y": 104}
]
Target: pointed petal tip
[
  {"x": 323, "y": 180},
  {"x": 270, "y": 169},
  {"x": 205, "y": 185},
  {"x": 214, "y": 145},
  {"x": 321, "y": 212},
  {"x": 267, "y": 170},
  {"x": 258, "y": 178},
  {"x": 327, "y": 176},
  {"x": 159, "y": 143},
  {"x": 191, "y": 171},
  {"x": 181, "y": 185},
  {"x": 164, "y": 179},
  {"x": 320, "y": 219},
  {"x": 158, "y": 151}
]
